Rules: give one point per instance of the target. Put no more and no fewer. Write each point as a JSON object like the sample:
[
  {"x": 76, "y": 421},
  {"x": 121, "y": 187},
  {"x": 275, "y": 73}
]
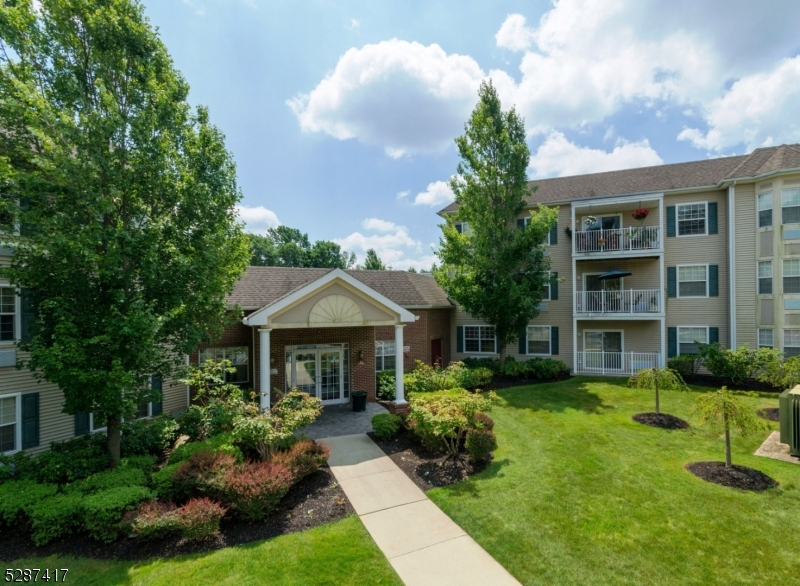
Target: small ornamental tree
[
  {"x": 657, "y": 379},
  {"x": 723, "y": 410}
]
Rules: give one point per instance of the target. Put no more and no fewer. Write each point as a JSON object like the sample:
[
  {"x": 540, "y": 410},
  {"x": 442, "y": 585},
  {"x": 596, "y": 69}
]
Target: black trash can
[{"x": 359, "y": 401}]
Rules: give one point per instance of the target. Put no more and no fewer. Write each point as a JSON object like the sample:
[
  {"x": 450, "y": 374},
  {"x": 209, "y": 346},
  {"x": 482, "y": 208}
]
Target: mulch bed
[
  {"x": 315, "y": 500},
  {"x": 661, "y": 420},
  {"x": 427, "y": 469},
  {"x": 736, "y": 476},
  {"x": 770, "y": 413}
]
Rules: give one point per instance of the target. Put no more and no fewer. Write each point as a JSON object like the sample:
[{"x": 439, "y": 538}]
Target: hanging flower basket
[
  {"x": 640, "y": 214},
  {"x": 601, "y": 241},
  {"x": 590, "y": 220}
]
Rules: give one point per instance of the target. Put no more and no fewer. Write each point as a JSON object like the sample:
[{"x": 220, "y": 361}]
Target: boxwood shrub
[
  {"x": 121, "y": 476},
  {"x": 56, "y": 516},
  {"x": 18, "y": 497},
  {"x": 148, "y": 436},
  {"x": 104, "y": 510}
]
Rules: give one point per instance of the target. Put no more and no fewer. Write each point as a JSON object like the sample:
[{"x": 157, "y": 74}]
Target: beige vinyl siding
[
  {"x": 638, "y": 336},
  {"x": 747, "y": 303},
  {"x": 644, "y": 271},
  {"x": 711, "y": 249}
]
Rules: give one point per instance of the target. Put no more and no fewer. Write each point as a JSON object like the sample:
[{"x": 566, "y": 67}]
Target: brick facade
[{"x": 432, "y": 324}]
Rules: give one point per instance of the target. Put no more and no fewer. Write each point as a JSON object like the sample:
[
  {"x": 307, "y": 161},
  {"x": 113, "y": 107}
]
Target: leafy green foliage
[
  {"x": 153, "y": 436},
  {"x": 218, "y": 403},
  {"x": 18, "y": 497},
  {"x": 254, "y": 489},
  {"x": 163, "y": 481},
  {"x": 483, "y": 421},
  {"x": 657, "y": 379},
  {"x": 145, "y": 463},
  {"x": 132, "y": 240},
  {"x": 447, "y": 416},
  {"x": 218, "y": 443},
  {"x": 722, "y": 410},
  {"x": 494, "y": 271},
  {"x": 386, "y": 385},
  {"x": 303, "y": 458},
  {"x": 684, "y": 364},
  {"x": 120, "y": 476},
  {"x": 386, "y": 425},
  {"x": 479, "y": 444},
  {"x": 72, "y": 460},
  {"x": 781, "y": 374},
  {"x": 103, "y": 510},
  {"x": 536, "y": 368},
  {"x": 288, "y": 247},
  {"x": 738, "y": 365},
  {"x": 152, "y": 520},
  {"x": 428, "y": 379},
  {"x": 372, "y": 262},
  {"x": 57, "y": 516}
]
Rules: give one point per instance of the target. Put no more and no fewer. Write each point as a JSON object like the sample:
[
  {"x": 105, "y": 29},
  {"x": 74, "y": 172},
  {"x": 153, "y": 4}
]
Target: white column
[
  {"x": 399, "y": 384},
  {"x": 263, "y": 339}
]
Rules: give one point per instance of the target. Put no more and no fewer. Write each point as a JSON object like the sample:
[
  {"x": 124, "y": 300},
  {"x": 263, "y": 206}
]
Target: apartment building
[{"x": 650, "y": 261}]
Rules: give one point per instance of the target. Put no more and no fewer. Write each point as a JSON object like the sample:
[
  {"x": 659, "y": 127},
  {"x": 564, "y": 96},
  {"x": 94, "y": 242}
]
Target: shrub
[
  {"x": 685, "y": 364},
  {"x": 737, "y": 365},
  {"x": 303, "y": 458},
  {"x": 386, "y": 385},
  {"x": 145, "y": 463},
  {"x": 781, "y": 374},
  {"x": 72, "y": 460},
  {"x": 386, "y": 425},
  {"x": 479, "y": 444},
  {"x": 148, "y": 437},
  {"x": 201, "y": 473},
  {"x": 153, "y": 519},
  {"x": 56, "y": 516},
  {"x": 199, "y": 518},
  {"x": 547, "y": 368},
  {"x": 17, "y": 467},
  {"x": 121, "y": 476},
  {"x": 104, "y": 510},
  {"x": 474, "y": 378},
  {"x": 163, "y": 483},
  {"x": 254, "y": 489},
  {"x": 483, "y": 421},
  {"x": 195, "y": 422},
  {"x": 492, "y": 364},
  {"x": 18, "y": 497},
  {"x": 218, "y": 443}
]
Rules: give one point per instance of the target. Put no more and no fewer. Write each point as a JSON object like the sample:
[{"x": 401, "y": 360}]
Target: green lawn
[
  {"x": 337, "y": 554},
  {"x": 580, "y": 494}
]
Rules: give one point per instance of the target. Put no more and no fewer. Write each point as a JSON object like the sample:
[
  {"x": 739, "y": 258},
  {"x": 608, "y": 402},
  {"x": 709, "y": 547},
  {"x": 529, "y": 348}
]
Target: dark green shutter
[
  {"x": 30, "y": 420},
  {"x": 670, "y": 221},
  {"x": 156, "y": 383},
  {"x": 520, "y": 223},
  {"x": 554, "y": 286},
  {"x": 554, "y": 341},
  {"x": 28, "y": 315},
  {"x": 554, "y": 234},
  {"x": 672, "y": 342},
  {"x": 81, "y": 423},
  {"x": 523, "y": 341},
  {"x": 713, "y": 280},
  {"x": 459, "y": 338},
  {"x": 712, "y": 218},
  {"x": 713, "y": 335},
  {"x": 672, "y": 281}
]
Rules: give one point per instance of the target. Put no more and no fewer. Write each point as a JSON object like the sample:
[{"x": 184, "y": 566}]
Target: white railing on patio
[
  {"x": 624, "y": 301},
  {"x": 615, "y": 362},
  {"x": 617, "y": 241}
]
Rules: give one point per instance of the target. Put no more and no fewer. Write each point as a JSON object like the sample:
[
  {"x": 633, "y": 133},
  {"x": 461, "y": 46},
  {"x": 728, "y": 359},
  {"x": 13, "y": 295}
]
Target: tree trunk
[
  {"x": 727, "y": 442},
  {"x": 655, "y": 382},
  {"x": 502, "y": 355},
  {"x": 112, "y": 443}
]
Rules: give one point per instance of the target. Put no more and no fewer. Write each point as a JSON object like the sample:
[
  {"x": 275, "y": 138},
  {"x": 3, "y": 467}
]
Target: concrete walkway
[{"x": 424, "y": 545}]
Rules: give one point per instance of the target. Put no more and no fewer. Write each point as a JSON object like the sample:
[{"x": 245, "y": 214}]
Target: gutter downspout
[{"x": 732, "y": 263}]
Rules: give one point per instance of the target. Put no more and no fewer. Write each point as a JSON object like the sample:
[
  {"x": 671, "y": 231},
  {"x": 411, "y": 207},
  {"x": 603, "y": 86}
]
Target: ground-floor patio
[{"x": 339, "y": 420}]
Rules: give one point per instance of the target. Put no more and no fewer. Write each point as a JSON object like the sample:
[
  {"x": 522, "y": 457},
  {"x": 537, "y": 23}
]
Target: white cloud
[
  {"x": 557, "y": 156},
  {"x": 257, "y": 219},
  {"x": 404, "y": 97},
  {"x": 395, "y": 248},
  {"x": 354, "y": 24},
  {"x": 437, "y": 193},
  {"x": 403, "y": 194},
  {"x": 513, "y": 34},
  {"x": 379, "y": 225},
  {"x": 758, "y": 110}
]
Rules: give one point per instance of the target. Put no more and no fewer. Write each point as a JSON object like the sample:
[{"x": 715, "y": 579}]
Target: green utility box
[{"x": 789, "y": 405}]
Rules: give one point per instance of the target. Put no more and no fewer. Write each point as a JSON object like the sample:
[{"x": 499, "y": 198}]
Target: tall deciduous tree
[
  {"x": 373, "y": 262},
  {"x": 130, "y": 239},
  {"x": 288, "y": 247},
  {"x": 495, "y": 271}
]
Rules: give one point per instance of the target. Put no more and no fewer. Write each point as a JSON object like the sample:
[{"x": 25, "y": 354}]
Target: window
[
  {"x": 10, "y": 431},
  {"x": 791, "y": 343},
  {"x": 765, "y": 277},
  {"x": 463, "y": 228},
  {"x": 239, "y": 358},
  {"x": 765, "y": 338},
  {"x": 539, "y": 340},
  {"x": 384, "y": 355},
  {"x": 546, "y": 290},
  {"x": 97, "y": 422},
  {"x": 765, "y": 209},
  {"x": 790, "y": 206},
  {"x": 527, "y": 220},
  {"x": 8, "y": 313},
  {"x": 479, "y": 339},
  {"x": 791, "y": 275},
  {"x": 693, "y": 281},
  {"x": 692, "y": 219},
  {"x": 689, "y": 337}
]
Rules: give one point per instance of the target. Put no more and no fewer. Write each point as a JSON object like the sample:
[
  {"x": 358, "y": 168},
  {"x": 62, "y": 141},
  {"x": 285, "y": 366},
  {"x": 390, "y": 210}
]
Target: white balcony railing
[
  {"x": 617, "y": 241},
  {"x": 615, "y": 362},
  {"x": 617, "y": 302}
]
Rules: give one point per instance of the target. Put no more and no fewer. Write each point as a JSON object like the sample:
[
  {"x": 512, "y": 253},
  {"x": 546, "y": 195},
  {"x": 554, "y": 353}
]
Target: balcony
[
  {"x": 617, "y": 241},
  {"x": 615, "y": 363},
  {"x": 627, "y": 301}
]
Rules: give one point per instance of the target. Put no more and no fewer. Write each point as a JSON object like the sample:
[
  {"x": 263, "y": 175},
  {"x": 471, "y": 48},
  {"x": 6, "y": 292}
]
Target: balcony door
[
  {"x": 602, "y": 296},
  {"x": 603, "y": 350}
]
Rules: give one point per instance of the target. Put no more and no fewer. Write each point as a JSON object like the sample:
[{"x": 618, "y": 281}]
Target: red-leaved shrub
[
  {"x": 303, "y": 458},
  {"x": 152, "y": 519},
  {"x": 199, "y": 518},
  {"x": 201, "y": 473},
  {"x": 253, "y": 489}
]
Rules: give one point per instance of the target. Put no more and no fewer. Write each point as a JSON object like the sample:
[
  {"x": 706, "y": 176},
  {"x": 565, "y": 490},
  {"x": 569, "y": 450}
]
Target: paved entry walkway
[
  {"x": 339, "y": 420},
  {"x": 424, "y": 545}
]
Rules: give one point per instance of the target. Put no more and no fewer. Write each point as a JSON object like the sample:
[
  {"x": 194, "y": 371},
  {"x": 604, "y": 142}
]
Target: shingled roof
[
  {"x": 262, "y": 286},
  {"x": 694, "y": 174}
]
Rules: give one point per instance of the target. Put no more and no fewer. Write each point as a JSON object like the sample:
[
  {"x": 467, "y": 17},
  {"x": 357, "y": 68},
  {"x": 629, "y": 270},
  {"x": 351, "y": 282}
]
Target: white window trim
[
  {"x": 462, "y": 224},
  {"x": 678, "y": 222},
  {"x": 783, "y": 349},
  {"x": 18, "y": 424},
  {"x": 384, "y": 355},
  {"x": 92, "y": 428},
  {"x": 549, "y": 285},
  {"x": 223, "y": 348},
  {"x": 772, "y": 209},
  {"x": 527, "y": 220},
  {"x": 772, "y": 277},
  {"x": 622, "y": 339},
  {"x": 17, "y": 318},
  {"x": 782, "y": 208},
  {"x": 678, "y": 333},
  {"x": 678, "y": 280},
  {"x": 549, "y": 341},
  {"x": 758, "y": 337},
  {"x": 475, "y": 351}
]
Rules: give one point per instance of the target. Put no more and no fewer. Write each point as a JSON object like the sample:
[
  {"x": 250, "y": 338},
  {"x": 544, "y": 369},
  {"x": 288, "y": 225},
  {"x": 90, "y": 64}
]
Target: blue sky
[{"x": 341, "y": 115}]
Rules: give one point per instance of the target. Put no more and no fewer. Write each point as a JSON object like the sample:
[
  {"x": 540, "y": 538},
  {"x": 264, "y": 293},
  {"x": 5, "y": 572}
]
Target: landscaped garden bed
[{"x": 734, "y": 476}]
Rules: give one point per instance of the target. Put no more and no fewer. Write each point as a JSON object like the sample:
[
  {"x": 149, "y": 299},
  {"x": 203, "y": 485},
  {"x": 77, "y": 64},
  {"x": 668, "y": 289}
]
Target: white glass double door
[
  {"x": 603, "y": 350},
  {"x": 319, "y": 373}
]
